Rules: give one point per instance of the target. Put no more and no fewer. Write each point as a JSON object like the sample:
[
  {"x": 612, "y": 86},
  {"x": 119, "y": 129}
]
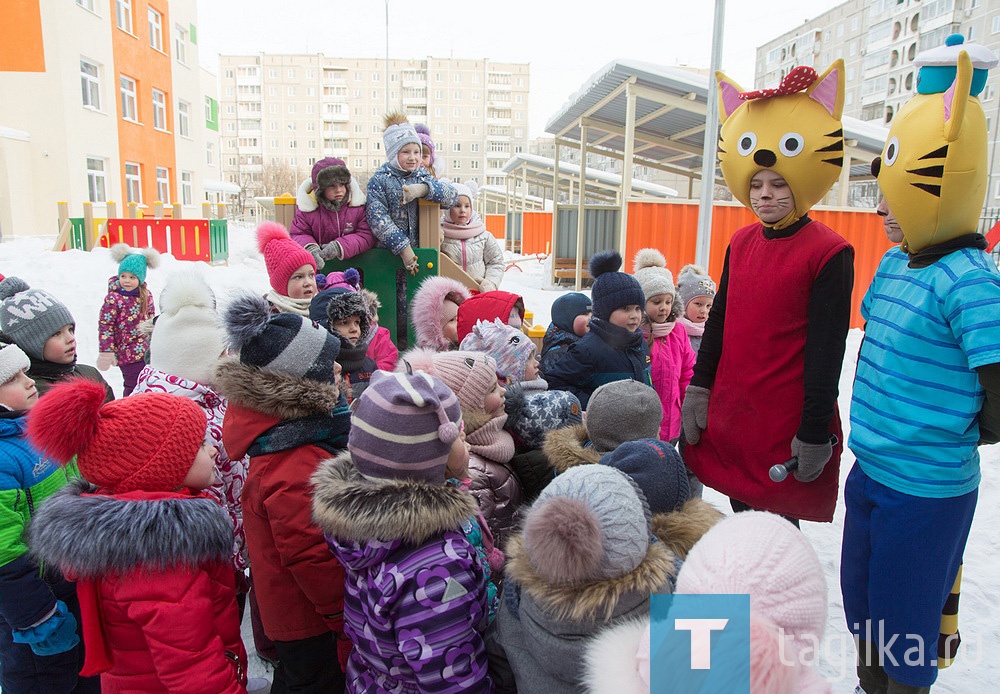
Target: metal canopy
[{"x": 541, "y": 171}]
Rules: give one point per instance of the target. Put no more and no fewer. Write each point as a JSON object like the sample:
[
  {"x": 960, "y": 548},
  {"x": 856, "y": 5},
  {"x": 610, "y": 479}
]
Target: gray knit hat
[
  {"x": 694, "y": 281},
  {"x": 590, "y": 523},
  {"x": 650, "y": 269},
  {"x": 29, "y": 316},
  {"x": 12, "y": 361},
  {"x": 623, "y": 411},
  {"x": 398, "y": 133}
]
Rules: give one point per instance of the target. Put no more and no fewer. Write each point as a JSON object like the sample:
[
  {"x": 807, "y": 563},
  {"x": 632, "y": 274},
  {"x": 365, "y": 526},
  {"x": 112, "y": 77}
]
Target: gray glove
[
  {"x": 694, "y": 413},
  {"x": 812, "y": 458},
  {"x": 331, "y": 251},
  {"x": 314, "y": 250},
  {"x": 414, "y": 191}
]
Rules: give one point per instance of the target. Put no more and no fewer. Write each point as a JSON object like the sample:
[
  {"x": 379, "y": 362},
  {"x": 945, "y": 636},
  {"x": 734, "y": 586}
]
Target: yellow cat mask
[{"x": 796, "y": 134}]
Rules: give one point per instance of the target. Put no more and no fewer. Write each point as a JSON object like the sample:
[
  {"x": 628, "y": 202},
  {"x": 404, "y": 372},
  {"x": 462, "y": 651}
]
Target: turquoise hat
[{"x": 136, "y": 260}]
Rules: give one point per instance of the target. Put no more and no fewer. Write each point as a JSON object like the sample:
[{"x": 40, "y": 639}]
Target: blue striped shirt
[{"x": 917, "y": 397}]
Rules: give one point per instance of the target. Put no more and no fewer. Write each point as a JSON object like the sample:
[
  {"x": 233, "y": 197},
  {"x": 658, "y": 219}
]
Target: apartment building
[
  {"x": 103, "y": 100},
  {"x": 878, "y": 40},
  {"x": 279, "y": 114}
]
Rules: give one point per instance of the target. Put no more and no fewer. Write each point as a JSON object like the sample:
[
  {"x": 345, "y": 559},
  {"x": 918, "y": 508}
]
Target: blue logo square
[{"x": 699, "y": 643}]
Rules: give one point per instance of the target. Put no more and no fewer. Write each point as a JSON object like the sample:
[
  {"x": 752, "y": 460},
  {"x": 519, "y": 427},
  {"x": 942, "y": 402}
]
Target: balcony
[
  {"x": 335, "y": 117},
  {"x": 339, "y": 152}
]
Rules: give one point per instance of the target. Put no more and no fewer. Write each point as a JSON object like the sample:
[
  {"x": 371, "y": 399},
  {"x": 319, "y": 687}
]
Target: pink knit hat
[
  {"x": 282, "y": 256},
  {"x": 471, "y": 375}
]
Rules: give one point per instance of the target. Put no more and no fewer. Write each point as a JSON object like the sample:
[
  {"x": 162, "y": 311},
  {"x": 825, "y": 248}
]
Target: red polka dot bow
[{"x": 795, "y": 81}]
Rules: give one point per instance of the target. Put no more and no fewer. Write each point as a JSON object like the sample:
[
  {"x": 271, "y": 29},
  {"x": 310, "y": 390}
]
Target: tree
[{"x": 279, "y": 179}]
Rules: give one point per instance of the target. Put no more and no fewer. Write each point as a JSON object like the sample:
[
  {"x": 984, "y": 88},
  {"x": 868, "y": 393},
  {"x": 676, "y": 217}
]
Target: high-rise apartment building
[{"x": 282, "y": 113}]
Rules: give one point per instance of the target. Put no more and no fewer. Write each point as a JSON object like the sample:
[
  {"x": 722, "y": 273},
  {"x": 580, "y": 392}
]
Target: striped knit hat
[{"x": 404, "y": 426}]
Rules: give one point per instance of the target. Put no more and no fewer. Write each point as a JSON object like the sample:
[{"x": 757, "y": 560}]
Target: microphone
[{"x": 779, "y": 472}]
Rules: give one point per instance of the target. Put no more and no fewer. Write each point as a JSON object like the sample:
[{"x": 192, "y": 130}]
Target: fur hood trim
[
  {"x": 426, "y": 309},
  {"x": 614, "y": 660},
  {"x": 305, "y": 198},
  {"x": 272, "y": 393},
  {"x": 88, "y": 536},
  {"x": 578, "y": 602},
  {"x": 680, "y": 529},
  {"x": 349, "y": 506},
  {"x": 564, "y": 448}
]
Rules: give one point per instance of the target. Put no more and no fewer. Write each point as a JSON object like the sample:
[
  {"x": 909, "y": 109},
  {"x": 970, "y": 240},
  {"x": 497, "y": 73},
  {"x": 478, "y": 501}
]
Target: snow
[{"x": 79, "y": 279}]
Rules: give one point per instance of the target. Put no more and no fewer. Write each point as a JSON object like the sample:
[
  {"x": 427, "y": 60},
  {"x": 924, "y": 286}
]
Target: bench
[{"x": 565, "y": 269}]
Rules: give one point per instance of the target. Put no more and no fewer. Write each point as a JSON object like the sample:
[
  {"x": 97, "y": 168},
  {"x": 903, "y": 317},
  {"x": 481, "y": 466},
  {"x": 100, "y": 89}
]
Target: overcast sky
[{"x": 565, "y": 41}]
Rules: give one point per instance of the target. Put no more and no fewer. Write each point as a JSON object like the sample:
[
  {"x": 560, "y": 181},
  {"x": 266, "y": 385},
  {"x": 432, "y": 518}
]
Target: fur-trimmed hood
[
  {"x": 564, "y": 448},
  {"x": 88, "y": 535},
  {"x": 305, "y": 196},
  {"x": 426, "y": 310},
  {"x": 273, "y": 393},
  {"x": 617, "y": 659},
  {"x": 680, "y": 529}
]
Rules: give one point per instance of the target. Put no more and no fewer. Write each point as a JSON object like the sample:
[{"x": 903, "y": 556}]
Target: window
[
  {"x": 180, "y": 44},
  {"x": 474, "y": 164},
  {"x": 95, "y": 180},
  {"x": 456, "y": 147},
  {"x": 133, "y": 183},
  {"x": 127, "y": 85},
  {"x": 995, "y": 25},
  {"x": 457, "y": 113},
  {"x": 162, "y": 185},
  {"x": 210, "y": 153},
  {"x": 184, "y": 119},
  {"x": 972, "y": 33},
  {"x": 292, "y": 144},
  {"x": 155, "y": 29},
  {"x": 90, "y": 84},
  {"x": 87, "y": 5},
  {"x": 475, "y": 146},
  {"x": 159, "y": 110},
  {"x": 123, "y": 15},
  {"x": 291, "y": 74},
  {"x": 291, "y": 91},
  {"x": 457, "y": 164},
  {"x": 358, "y": 163},
  {"x": 211, "y": 114},
  {"x": 187, "y": 190}
]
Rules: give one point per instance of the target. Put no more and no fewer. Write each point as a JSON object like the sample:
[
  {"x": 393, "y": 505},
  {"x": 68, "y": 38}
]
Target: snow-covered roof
[{"x": 542, "y": 169}]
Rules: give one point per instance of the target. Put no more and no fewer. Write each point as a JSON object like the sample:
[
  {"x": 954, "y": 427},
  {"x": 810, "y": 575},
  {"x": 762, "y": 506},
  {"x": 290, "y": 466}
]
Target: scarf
[
  {"x": 49, "y": 370},
  {"x": 535, "y": 386},
  {"x": 326, "y": 431},
  {"x": 492, "y": 441},
  {"x": 657, "y": 330},
  {"x": 286, "y": 304},
  {"x": 693, "y": 329},
  {"x": 462, "y": 232}
]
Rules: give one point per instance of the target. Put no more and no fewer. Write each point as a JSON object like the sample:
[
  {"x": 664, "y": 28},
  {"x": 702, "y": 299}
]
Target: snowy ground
[{"x": 80, "y": 280}]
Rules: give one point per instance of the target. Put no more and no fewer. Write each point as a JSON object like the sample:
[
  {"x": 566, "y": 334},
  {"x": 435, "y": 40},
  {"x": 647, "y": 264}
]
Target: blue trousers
[{"x": 898, "y": 562}]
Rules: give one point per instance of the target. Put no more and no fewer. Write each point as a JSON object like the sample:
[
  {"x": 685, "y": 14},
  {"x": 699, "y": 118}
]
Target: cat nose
[{"x": 765, "y": 157}]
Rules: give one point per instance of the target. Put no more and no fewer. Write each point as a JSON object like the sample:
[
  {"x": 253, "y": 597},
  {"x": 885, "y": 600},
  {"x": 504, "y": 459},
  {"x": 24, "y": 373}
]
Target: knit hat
[
  {"x": 187, "y": 338},
  {"x": 283, "y": 342},
  {"x": 398, "y": 133},
  {"x": 30, "y": 317},
  {"x": 469, "y": 189},
  {"x": 343, "y": 303},
  {"x": 348, "y": 279},
  {"x": 424, "y": 134},
  {"x": 509, "y": 347},
  {"x": 623, "y": 411},
  {"x": 404, "y": 426},
  {"x": 144, "y": 442},
  {"x": 657, "y": 469},
  {"x": 567, "y": 307},
  {"x": 589, "y": 524},
  {"x": 612, "y": 289},
  {"x": 282, "y": 256},
  {"x": 135, "y": 260},
  {"x": 692, "y": 282},
  {"x": 471, "y": 375},
  {"x": 13, "y": 361},
  {"x": 533, "y": 414},
  {"x": 651, "y": 271}
]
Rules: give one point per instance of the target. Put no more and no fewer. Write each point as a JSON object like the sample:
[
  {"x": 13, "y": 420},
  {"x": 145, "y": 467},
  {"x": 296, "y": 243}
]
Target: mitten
[
  {"x": 487, "y": 286},
  {"x": 414, "y": 191},
  {"x": 105, "y": 360},
  {"x": 316, "y": 253},
  {"x": 812, "y": 458},
  {"x": 694, "y": 413},
  {"x": 55, "y": 635},
  {"x": 331, "y": 251},
  {"x": 409, "y": 259},
  {"x": 344, "y": 648}
]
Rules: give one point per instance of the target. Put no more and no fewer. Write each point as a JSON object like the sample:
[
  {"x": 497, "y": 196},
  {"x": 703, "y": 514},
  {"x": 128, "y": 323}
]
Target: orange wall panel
[
  {"x": 21, "y": 46},
  {"x": 496, "y": 224},
  {"x": 536, "y": 232}
]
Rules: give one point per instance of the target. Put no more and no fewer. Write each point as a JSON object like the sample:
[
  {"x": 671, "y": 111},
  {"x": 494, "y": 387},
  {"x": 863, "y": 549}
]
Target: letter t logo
[{"x": 701, "y": 639}]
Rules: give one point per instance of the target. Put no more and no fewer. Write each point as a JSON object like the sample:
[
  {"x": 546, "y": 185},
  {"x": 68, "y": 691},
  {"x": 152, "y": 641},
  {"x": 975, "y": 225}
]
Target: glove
[
  {"x": 55, "y": 635},
  {"x": 812, "y": 458},
  {"x": 316, "y": 253},
  {"x": 487, "y": 286},
  {"x": 409, "y": 259},
  {"x": 331, "y": 251},
  {"x": 105, "y": 360},
  {"x": 414, "y": 191},
  {"x": 344, "y": 648},
  {"x": 694, "y": 413}
]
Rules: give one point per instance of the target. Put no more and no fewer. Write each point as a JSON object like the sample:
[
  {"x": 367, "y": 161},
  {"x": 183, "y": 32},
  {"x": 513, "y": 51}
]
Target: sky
[{"x": 565, "y": 42}]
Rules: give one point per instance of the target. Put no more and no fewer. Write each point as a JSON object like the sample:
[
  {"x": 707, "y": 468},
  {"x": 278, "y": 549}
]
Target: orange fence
[{"x": 496, "y": 224}]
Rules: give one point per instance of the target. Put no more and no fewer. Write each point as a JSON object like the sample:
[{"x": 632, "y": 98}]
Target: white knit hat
[
  {"x": 13, "y": 360},
  {"x": 188, "y": 338},
  {"x": 650, "y": 268}
]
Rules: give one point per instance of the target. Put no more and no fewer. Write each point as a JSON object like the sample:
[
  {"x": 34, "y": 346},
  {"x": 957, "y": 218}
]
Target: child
[
  {"x": 40, "y": 647},
  {"x": 330, "y": 221},
  {"x": 428, "y": 156},
  {"x": 150, "y": 554},
  {"x": 510, "y": 348},
  {"x": 487, "y": 306},
  {"x": 467, "y": 242},
  {"x": 671, "y": 357},
  {"x": 286, "y": 412},
  {"x": 613, "y": 349},
  {"x": 697, "y": 293},
  {"x": 570, "y": 321},
  {"x": 395, "y": 187},
  {"x": 434, "y": 313},
  {"x": 381, "y": 348},
  {"x": 415, "y": 602},
  {"x": 291, "y": 270},
  {"x": 128, "y": 303},
  {"x": 45, "y": 330},
  {"x": 343, "y": 312}
]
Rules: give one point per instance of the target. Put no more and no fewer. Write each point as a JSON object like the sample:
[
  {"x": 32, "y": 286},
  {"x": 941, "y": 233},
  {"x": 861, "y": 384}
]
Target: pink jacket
[
  {"x": 382, "y": 350},
  {"x": 118, "y": 325},
  {"x": 314, "y": 223},
  {"x": 672, "y": 364}
]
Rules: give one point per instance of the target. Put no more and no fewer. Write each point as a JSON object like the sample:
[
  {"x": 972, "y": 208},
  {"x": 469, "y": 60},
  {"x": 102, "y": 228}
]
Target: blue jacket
[
  {"x": 393, "y": 223},
  {"x": 607, "y": 353},
  {"x": 554, "y": 346}
]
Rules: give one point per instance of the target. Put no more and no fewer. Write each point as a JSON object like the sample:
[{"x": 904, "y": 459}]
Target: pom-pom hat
[
  {"x": 398, "y": 133},
  {"x": 470, "y": 375},
  {"x": 282, "y": 256},
  {"x": 13, "y": 361},
  {"x": 938, "y": 66},
  {"x": 188, "y": 337},
  {"x": 693, "y": 282},
  {"x": 612, "y": 289},
  {"x": 652, "y": 273},
  {"x": 29, "y": 316},
  {"x": 136, "y": 260}
]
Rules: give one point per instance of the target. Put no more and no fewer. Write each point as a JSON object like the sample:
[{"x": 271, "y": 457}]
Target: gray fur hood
[
  {"x": 305, "y": 197},
  {"x": 88, "y": 535}
]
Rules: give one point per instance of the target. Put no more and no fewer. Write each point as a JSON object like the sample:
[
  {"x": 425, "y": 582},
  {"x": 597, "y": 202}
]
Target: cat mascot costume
[
  {"x": 765, "y": 384},
  {"x": 927, "y": 386}
]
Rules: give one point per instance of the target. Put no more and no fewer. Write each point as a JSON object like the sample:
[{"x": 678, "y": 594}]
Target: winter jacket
[
  {"x": 382, "y": 350},
  {"x": 319, "y": 224},
  {"x": 671, "y": 365},
  {"x": 498, "y": 492},
  {"x": 487, "y": 306},
  {"x": 46, "y": 374},
  {"x": 160, "y": 614},
  {"x": 426, "y": 311},
  {"x": 393, "y": 223},
  {"x": 605, "y": 354},
  {"x": 554, "y": 345},
  {"x": 228, "y": 490},
  {"x": 475, "y": 250},
  {"x": 415, "y": 600},
  {"x": 118, "y": 326},
  {"x": 299, "y": 585}
]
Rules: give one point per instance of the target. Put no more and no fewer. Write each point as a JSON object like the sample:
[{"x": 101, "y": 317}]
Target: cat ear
[
  {"x": 957, "y": 98},
  {"x": 729, "y": 96},
  {"x": 828, "y": 89}
]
